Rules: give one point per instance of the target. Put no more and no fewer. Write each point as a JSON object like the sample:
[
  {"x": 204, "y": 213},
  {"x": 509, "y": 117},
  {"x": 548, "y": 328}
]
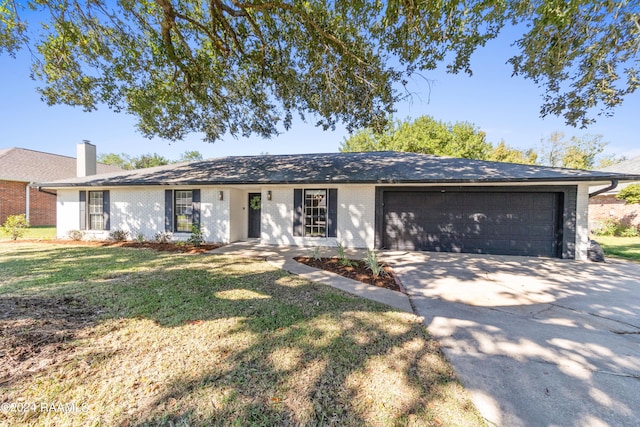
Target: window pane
[
  {"x": 184, "y": 210},
  {"x": 315, "y": 213},
  {"x": 96, "y": 217}
]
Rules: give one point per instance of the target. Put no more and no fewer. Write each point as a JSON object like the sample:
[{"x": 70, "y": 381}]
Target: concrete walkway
[
  {"x": 537, "y": 342},
  {"x": 282, "y": 257}
]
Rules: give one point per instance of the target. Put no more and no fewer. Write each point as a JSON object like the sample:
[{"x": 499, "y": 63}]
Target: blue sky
[{"x": 505, "y": 107}]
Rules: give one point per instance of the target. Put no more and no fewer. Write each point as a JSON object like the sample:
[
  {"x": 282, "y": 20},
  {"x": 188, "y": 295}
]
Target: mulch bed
[
  {"x": 357, "y": 271},
  {"x": 166, "y": 247}
]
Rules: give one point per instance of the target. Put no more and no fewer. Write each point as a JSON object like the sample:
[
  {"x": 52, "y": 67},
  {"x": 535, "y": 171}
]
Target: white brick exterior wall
[
  {"x": 214, "y": 215},
  {"x": 137, "y": 210},
  {"x": 582, "y": 221},
  {"x": 356, "y": 217},
  {"x": 238, "y": 201},
  {"x": 141, "y": 210},
  {"x": 68, "y": 212}
]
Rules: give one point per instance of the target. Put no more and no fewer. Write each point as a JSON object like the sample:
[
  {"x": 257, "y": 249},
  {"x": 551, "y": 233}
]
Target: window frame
[
  {"x": 315, "y": 215},
  {"x": 183, "y": 209},
  {"x": 95, "y": 211}
]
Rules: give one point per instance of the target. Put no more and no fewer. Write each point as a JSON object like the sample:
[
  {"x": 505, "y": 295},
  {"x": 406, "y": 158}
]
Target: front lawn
[
  {"x": 42, "y": 233},
  {"x": 620, "y": 247},
  {"x": 119, "y": 336}
]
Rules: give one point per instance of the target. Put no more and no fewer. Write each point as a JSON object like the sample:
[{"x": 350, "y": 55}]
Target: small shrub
[
  {"x": 15, "y": 226},
  {"x": 612, "y": 227},
  {"x": 341, "y": 253},
  {"x": 372, "y": 263},
  {"x": 316, "y": 253},
  {"x": 196, "y": 236},
  {"x": 75, "y": 235},
  {"x": 140, "y": 238},
  {"x": 629, "y": 232},
  {"x": 119, "y": 235},
  {"x": 630, "y": 194},
  {"x": 342, "y": 257},
  {"x": 162, "y": 237},
  {"x": 608, "y": 228}
]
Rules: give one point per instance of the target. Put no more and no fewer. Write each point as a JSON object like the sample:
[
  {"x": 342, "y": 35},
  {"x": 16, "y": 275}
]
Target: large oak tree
[{"x": 246, "y": 67}]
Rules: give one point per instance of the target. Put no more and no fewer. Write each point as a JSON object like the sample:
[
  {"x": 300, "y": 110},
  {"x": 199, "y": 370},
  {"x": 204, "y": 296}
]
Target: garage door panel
[
  {"x": 517, "y": 223},
  {"x": 543, "y": 216}
]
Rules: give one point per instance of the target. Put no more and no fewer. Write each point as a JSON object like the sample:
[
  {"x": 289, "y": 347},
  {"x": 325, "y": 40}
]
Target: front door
[{"x": 255, "y": 208}]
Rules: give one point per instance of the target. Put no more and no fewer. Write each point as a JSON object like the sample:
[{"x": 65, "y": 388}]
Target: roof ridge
[
  {"x": 42, "y": 152},
  {"x": 5, "y": 151}
]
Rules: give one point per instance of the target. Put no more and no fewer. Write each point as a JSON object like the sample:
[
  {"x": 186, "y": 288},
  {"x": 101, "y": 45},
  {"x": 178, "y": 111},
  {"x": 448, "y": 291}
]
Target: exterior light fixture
[
  {"x": 220, "y": 195},
  {"x": 269, "y": 195}
]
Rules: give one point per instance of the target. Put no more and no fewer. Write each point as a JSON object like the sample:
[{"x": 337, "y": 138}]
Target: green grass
[
  {"x": 44, "y": 233},
  {"x": 620, "y": 247},
  {"x": 169, "y": 339}
]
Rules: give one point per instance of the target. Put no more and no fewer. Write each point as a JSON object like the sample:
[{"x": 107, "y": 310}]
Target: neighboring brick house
[
  {"x": 605, "y": 206},
  {"x": 20, "y": 172}
]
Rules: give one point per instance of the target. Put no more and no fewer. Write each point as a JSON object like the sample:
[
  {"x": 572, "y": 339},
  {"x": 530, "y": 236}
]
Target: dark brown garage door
[{"x": 501, "y": 223}]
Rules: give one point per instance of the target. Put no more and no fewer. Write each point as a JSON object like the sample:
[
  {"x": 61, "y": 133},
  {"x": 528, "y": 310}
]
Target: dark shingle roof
[
  {"x": 371, "y": 167},
  {"x": 19, "y": 164}
]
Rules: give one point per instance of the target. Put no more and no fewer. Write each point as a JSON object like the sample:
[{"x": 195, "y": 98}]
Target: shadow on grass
[{"x": 209, "y": 340}]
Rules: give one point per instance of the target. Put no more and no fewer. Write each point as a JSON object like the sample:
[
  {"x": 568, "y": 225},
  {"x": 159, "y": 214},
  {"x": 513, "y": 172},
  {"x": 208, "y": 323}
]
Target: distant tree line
[
  {"x": 462, "y": 139},
  {"x": 128, "y": 162}
]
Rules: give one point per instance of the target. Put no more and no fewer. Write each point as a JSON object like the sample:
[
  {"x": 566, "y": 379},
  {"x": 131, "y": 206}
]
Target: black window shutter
[
  {"x": 297, "y": 212},
  {"x": 168, "y": 210},
  {"x": 83, "y": 210},
  {"x": 195, "y": 204},
  {"x": 332, "y": 214},
  {"x": 105, "y": 210}
]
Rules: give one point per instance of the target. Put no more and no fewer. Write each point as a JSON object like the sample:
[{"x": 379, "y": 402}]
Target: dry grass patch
[{"x": 167, "y": 339}]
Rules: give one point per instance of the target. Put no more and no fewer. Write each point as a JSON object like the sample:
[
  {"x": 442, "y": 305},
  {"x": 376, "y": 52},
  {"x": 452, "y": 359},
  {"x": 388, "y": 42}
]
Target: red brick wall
[
  {"x": 605, "y": 207},
  {"x": 13, "y": 202},
  {"x": 42, "y": 208},
  {"x": 12, "y": 199}
]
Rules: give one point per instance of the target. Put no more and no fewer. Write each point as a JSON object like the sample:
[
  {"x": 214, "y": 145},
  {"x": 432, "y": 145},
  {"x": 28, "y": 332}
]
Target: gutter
[
  {"x": 383, "y": 181},
  {"x": 614, "y": 184},
  {"x": 45, "y": 191}
]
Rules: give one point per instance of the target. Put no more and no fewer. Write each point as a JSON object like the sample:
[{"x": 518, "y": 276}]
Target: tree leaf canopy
[{"x": 242, "y": 68}]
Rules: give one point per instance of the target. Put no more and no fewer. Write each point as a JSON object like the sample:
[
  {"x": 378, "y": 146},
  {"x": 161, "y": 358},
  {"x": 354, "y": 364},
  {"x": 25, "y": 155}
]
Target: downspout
[
  {"x": 28, "y": 202},
  {"x": 614, "y": 184}
]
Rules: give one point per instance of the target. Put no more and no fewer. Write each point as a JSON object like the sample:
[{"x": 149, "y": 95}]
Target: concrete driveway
[{"x": 537, "y": 342}]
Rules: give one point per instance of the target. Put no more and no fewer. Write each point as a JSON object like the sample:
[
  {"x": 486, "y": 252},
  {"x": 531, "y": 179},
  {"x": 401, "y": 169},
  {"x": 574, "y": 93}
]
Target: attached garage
[{"x": 485, "y": 220}]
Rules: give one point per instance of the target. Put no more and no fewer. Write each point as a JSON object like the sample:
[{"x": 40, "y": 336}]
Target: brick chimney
[{"x": 86, "y": 159}]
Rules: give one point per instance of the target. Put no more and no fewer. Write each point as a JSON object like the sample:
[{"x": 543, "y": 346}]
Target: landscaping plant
[
  {"x": 75, "y": 235},
  {"x": 613, "y": 227},
  {"x": 119, "y": 235},
  {"x": 343, "y": 260},
  {"x": 372, "y": 263},
  {"x": 15, "y": 226},
  {"x": 162, "y": 237},
  {"x": 196, "y": 236}
]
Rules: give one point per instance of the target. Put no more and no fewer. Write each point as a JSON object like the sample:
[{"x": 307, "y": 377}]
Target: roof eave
[{"x": 385, "y": 181}]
